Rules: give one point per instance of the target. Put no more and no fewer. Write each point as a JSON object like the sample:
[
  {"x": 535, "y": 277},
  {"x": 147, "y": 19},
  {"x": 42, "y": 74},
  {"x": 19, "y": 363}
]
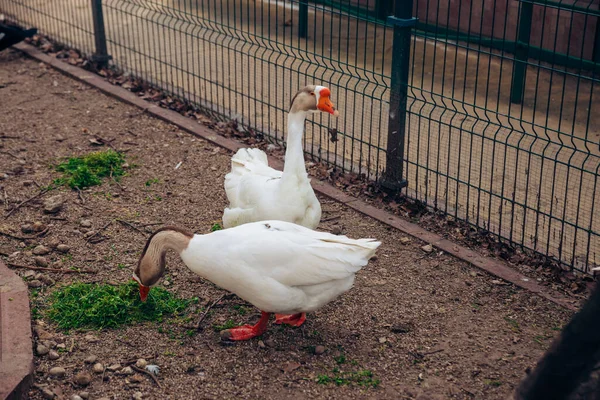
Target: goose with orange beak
[
  {"x": 277, "y": 266},
  {"x": 257, "y": 192}
]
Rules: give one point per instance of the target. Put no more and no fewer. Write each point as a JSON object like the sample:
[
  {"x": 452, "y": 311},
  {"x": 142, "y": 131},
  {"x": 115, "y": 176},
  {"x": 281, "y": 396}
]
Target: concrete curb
[
  {"x": 490, "y": 265},
  {"x": 16, "y": 355}
]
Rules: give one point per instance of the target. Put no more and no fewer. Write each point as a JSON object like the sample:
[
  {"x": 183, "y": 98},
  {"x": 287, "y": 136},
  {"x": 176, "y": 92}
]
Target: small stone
[
  {"x": 84, "y": 395},
  {"x": 40, "y": 261},
  {"x": 47, "y": 280},
  {"x": 382, "y": 340},
  {"x": 47, "y": 393},
  {"x": 83, "y": 379},
  {"x": 26, "y": 228},
  {"x": 498, "y": 282},
  {"x": 261, "y": 344},
  {"x": 28, "y": 274},
  {"x": 137, "y": 395},
  {"x": 104, "y": 398},
  {"x": 98, "y": 368},
  {"x": 468, "y": 283},
  {"x": 27, "y": 183},
  {"x": 319, "y": 350},
  {"x": 41, "y": 350},
  {"x": 141, "y": 363},
  {"x": 53, "y": 355},
  {"x": 91, "y": 338},
  {"x": 53, "y": 204},
  {"x": 127, "y": 371},
  {"x": 270, "y": 342},
  {"x": 63, "y": 248},
  {"x": 34, "y": 283},
  {"x": 400, "y": 328},
  {"x": 76, "y": 397},
  {"x": 89, "y": 234},
  {"x": 166, "y": 283},
  {"x": 39, "y": 226},
  {"x": 57, "y": 372},
  {"x": 405, "y": 240},
  {"x": 137, "y": 378},
  {"x": 114, "y": 367},
  {"x": 61, "y": 346},
  {"x": 427, "y": 248},
  {"x": 90, "y": 359},
  {"x": 336, "y": 230},
  {"x": 85, "y": 223},
  {"x": 41, "y": 250}
]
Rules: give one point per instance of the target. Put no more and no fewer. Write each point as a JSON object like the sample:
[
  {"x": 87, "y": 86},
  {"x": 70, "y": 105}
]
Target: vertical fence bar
[
  {"x": 521, "y": 52},
  {"x": 101, "y": 56},
  {"x": 303, "y": 19},
  {"x": 402, "y": 20}
]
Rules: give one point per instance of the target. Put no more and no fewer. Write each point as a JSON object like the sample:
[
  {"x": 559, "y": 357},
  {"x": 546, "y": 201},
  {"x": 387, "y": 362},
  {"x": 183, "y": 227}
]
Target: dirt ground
[{"x": 426, "y": 326}]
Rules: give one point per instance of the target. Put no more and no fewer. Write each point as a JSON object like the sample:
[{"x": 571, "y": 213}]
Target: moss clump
[
  {"x": 93, "y": 306},
  {"x": 88, "y": 170}
]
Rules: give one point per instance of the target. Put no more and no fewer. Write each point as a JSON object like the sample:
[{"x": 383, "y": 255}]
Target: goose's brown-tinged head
[
  {"x": 151, "y": 266},
  {"x": 313, "y": 99}
]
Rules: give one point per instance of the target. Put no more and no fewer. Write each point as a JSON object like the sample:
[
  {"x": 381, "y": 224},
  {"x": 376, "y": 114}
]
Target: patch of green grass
[
  {"x": 227, "y": 325},
  {"x": 360, "y": 378},
  {"x": 341, "y": 359},
  {"x": 152, "y": 181},
  {"x": 242, "y": 310},
  {"x": 215, "y": 227},
  {"x": 493, "y": 382},
  {"x": 514, "y": 325},
  {"x": 84, "y": 305},
  {"x": 88, "y": 170}
]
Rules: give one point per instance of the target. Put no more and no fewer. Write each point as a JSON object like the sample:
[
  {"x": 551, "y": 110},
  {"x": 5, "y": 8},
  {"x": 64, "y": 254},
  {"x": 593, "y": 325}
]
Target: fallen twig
[
  {"x": 130, "y": 225},
  {"x": 126, "y": 342},
  {"x": 9, "y": 137},
  {"x": 151, "y": 224},
  {"x": 42, "y": 233},
  {"x": 25, "y": 202},
  {"x": 80, "y": 195},
  {"x": 331, "y": 218},
  {"x": 16, "y": 237},
  {"x": 197, "y": 326},
  {"x": 151, "y": 375},
  {"x": 98, "y": 231},
  {"x": 62, "y": 271}
]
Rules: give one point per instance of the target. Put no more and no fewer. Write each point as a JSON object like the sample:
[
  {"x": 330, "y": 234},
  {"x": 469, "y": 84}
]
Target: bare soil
[{"x": 426, "y": 325}]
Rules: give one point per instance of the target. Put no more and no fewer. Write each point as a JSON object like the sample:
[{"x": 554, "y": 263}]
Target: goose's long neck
[
  {"x": 152, "y": 262},
  {"x": 294, "y": 154}
]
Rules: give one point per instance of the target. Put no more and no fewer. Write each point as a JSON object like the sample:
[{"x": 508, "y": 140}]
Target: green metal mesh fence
[{"x": 502, "y": 114}]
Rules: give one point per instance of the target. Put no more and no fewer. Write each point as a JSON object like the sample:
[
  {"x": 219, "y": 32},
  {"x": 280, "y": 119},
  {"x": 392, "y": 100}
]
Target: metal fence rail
[{"x": 488, "y": 111}]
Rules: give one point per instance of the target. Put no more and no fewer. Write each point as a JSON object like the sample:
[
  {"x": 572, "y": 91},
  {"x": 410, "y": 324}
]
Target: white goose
[
  {"x": 257, "y": 192},
  {"x": 277, "y": 266}
]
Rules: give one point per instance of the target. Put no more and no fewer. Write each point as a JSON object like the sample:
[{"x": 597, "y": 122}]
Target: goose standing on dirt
[
  {"x": 257, "y": 192},
  {"x": 277, "y": 266}
]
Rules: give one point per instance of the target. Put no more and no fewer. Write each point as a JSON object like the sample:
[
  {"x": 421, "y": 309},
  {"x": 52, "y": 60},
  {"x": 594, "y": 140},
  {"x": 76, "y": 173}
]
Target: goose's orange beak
[
  {"x": 144, "y": 290},
  {"x": 325, "y": 103}
]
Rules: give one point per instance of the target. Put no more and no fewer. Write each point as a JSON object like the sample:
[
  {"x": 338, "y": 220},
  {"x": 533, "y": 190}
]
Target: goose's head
[
  {"x": 151, "y": 266},
  {"x": 313, "y": 99}
]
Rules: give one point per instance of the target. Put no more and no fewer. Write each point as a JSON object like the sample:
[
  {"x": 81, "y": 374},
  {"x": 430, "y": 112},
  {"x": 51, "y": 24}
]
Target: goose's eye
[{"x": 312, "y": 93}]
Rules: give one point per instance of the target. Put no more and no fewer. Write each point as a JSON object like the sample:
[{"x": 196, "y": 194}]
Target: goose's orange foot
[
  {"x": 246, "y": 332},
  {"x": 292, "y": 319}
]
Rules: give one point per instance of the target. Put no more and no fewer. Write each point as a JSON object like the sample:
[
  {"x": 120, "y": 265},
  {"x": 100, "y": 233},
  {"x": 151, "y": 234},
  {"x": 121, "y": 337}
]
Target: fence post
[
  {"x": 303, "y": 19},
  {"x": 402, "y": 20},
  {"x": 521, "y": 52},
  {"x": 101, "y": 56}
]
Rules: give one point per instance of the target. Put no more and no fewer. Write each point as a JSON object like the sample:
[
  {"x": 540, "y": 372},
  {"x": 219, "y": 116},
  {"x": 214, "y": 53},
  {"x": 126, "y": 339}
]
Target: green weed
[
  {"x": 360, "y": 378},
  {"x": 88, "y": 170}
]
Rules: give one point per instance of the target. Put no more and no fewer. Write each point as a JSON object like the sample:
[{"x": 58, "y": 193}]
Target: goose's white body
[
  {"x": 257, "y": 192},
  {"x": 278, "y": 266}
]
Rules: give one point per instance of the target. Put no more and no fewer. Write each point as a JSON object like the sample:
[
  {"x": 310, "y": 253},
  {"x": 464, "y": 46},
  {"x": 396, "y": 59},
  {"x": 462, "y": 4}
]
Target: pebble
[
  {"x": 98, "y": 368},
  {"x": 76, "y": 397},
  {"x": 34, "y": 283},
  {"x": 41, "y": 250},
  {"x": 63, "y": 248},
  {"x": 27, "y": 183},
  {"x": 57, "y": 372},
  {"x": 61, "y": 346},
  {"x": 47, "y": 393},
  {"x": 137, "y": 378},
  {"x": 91, "y": 338},
  {"x": 53, "y": 204},
  {"x": 113, "y": 367},
  {"x": 261, "y": 344},
  {"x": 26, "y": 228},
  {"x": 404, "y": 240},
  {"x": 83, "y": 379},
  {"x": 336, "y": 230},
  {"x": 40, "y": 261},
  {"x": 89, "y": 234},
  {"x": 84, "y": 395},
  {"x": 319, "y": 350},
  {"x": 427, "y": 248},
  {"x": 39, "y": 226},
  {"x": 90, "y": 359},
  {"x": 85, "y": 223},
  {"x": 127, "y": 371},
  {"x": 28, "y": 274},
  {"x": 41, "y": 350},
  {"x": 53, "y": 355},
  {"x": 270, "y": 342},
  {"x": 137, "y": 395},
  {"x": 141, "y": 363},
  {"x": 47, "y": 280}
]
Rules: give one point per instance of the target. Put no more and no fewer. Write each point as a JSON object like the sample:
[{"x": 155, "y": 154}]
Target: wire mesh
[{"x": 502, "y": 118}]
